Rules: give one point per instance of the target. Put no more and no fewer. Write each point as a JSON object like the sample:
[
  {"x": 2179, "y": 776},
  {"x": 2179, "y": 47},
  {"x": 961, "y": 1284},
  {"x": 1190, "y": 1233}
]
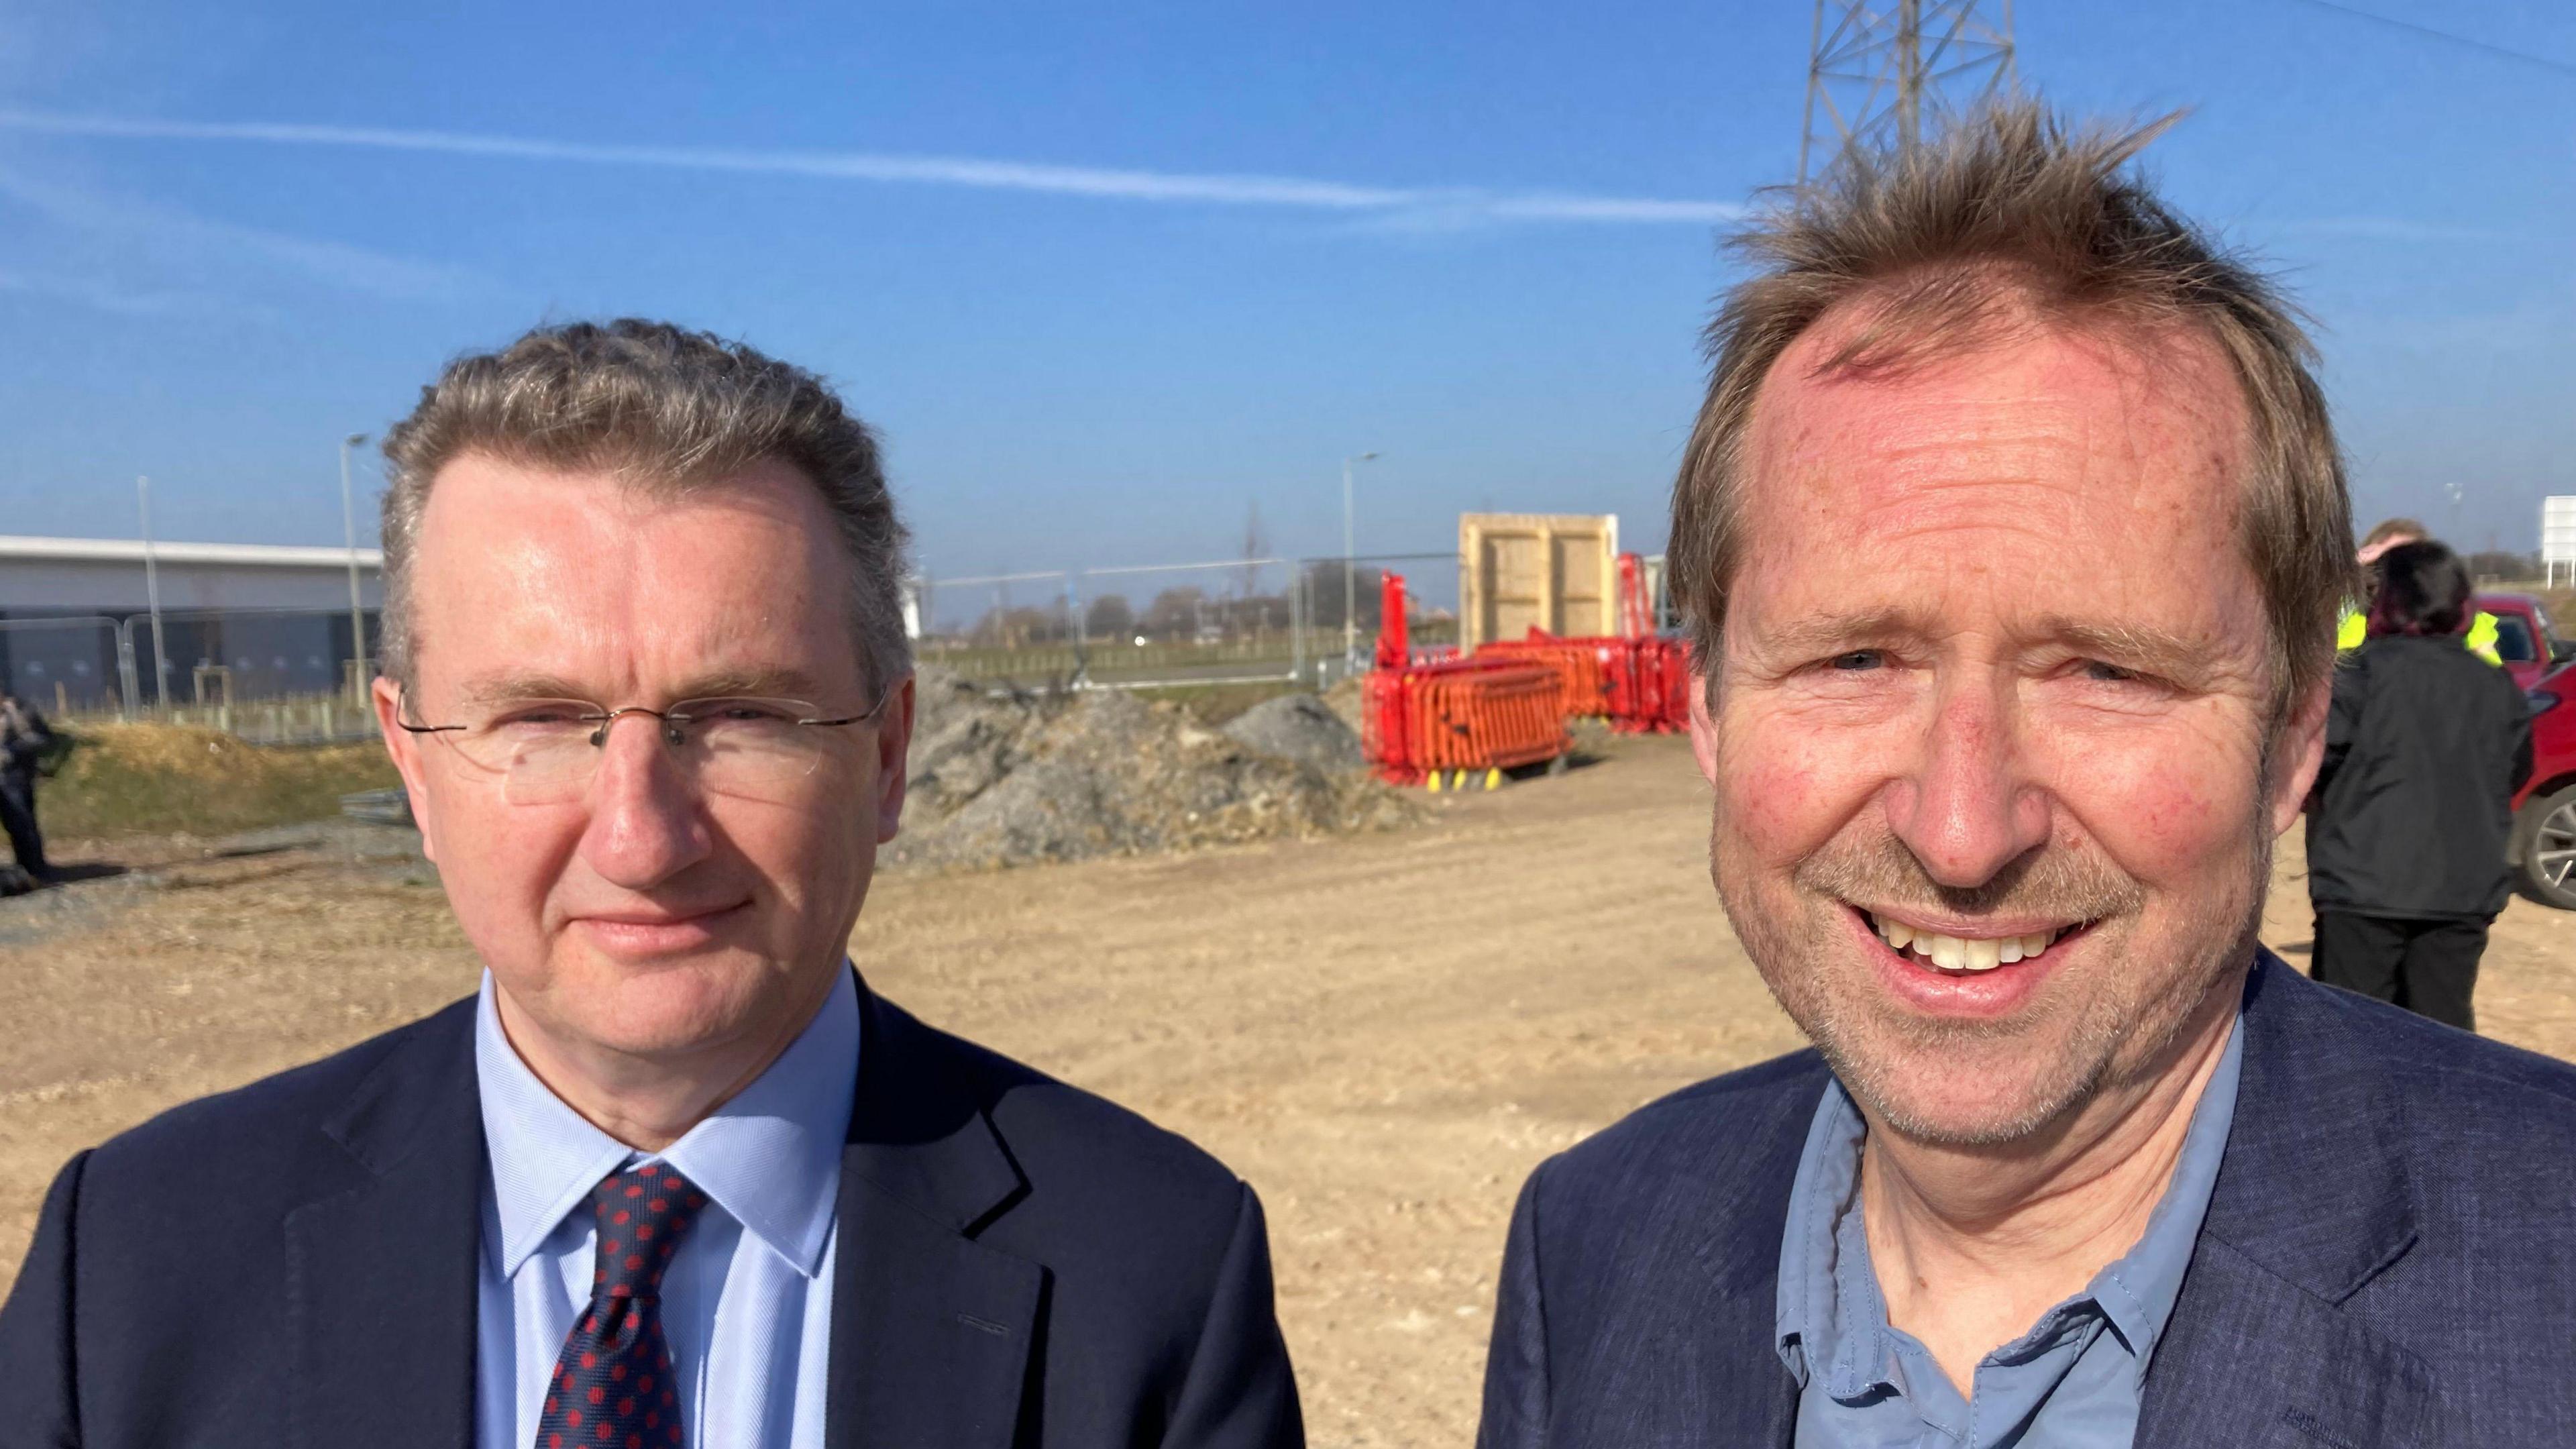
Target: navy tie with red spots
[{"x": 612, "y": 1384}]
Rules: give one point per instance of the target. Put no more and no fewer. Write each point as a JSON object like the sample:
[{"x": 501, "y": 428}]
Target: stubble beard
[{"x": 2113, "y": 1020}]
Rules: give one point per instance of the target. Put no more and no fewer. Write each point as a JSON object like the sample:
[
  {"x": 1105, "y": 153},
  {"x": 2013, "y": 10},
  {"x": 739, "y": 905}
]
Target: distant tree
[
  {"x": 1256, "y": 544},
  {"x": 2507, "y": 567},
  {"x": 1261, "y": 613},
  {"x": 1019, "y": 626},
  {"x": 1324, "y": 593},
  {"x": 1109, "y": 617},
  {"x": 1175, "y": 612}
]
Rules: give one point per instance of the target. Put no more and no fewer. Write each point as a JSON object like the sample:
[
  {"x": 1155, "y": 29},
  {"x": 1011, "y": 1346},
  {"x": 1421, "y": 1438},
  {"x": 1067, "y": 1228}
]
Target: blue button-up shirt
[
  {"x": 2071, "y": 1382},
  {"x": 747, "y": 1301}
]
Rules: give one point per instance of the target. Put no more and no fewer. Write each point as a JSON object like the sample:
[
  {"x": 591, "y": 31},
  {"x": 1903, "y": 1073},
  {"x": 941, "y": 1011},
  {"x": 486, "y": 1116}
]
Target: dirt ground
[{"x": 1382, "y": 1032}]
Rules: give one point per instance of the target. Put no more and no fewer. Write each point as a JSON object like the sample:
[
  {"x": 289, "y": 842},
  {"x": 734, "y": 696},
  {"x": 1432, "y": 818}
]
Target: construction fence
[
  {"x": 300, "y": 675},
  {"x": 1429, "y": 713},
  {"x": 269, "y": 675},
  {"x": 1254, "y": 620}
]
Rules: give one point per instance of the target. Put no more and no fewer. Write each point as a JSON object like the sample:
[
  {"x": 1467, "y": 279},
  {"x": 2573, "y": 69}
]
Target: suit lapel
[
  {"x": 2312, "y": 1202},
  {"x": 1757, "y": 1403},
  {"x": 2252, "y": 1360},
  {"x": 1755, "y": 1398},
  {"x": 380, "y": 1264},
  {"x": 932, "y": 1331}
]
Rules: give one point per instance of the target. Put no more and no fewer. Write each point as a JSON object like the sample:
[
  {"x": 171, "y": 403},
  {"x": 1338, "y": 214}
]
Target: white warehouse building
[{"x": 264, "y": 620}]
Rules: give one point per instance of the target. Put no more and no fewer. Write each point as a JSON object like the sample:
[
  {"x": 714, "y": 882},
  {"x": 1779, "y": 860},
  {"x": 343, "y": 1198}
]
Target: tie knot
[{"x": 642, "y": 1215}]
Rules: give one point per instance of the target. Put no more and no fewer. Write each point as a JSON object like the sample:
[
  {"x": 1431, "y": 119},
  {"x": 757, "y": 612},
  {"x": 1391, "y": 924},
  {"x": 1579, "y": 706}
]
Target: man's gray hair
[
  {"x": 2006, "y": 214},
  {"x": 667, "y": 411}
]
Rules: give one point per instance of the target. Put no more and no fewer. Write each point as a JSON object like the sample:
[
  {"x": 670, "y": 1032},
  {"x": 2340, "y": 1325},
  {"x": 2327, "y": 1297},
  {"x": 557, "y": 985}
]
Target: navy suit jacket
[
  {"x": 2389, "y": 1258},
  {"x": 291, "y": 1266}
]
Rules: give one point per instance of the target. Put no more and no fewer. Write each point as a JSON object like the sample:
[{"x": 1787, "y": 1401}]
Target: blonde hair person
[{"x": 2353, "y": 625}]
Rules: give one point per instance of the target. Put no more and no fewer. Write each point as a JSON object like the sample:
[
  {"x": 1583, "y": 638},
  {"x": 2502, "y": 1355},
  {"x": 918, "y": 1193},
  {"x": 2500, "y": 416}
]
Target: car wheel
[{"x": 2548, "y": 830}]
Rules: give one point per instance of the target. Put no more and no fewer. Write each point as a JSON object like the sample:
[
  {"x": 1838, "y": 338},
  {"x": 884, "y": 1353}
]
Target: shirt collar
[
  {"x": 770, "y": 1156},
  {"x": 2137, "y": 1292},
  {"x": 1825, "y": 1307},
  {"x": 1828, "y": 1299}
]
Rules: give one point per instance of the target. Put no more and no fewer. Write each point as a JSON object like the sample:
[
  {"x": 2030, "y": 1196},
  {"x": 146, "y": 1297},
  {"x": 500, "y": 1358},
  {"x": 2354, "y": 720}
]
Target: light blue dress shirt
[
  {"x": 2072, "y": 1382},
  {"x": 747, "y": 1302}
]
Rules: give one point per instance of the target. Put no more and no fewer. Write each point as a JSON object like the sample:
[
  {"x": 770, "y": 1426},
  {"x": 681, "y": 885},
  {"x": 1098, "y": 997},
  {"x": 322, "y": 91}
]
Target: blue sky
[{"x": 1478, "y": 238}]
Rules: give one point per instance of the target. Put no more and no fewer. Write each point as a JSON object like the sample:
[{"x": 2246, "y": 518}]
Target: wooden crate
[{"x": 1554, "y": 571}]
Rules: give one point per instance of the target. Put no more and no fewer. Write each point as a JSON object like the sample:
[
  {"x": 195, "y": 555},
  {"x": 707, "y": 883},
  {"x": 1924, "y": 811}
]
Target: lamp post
[
  {"x": 152, "y": 598},
  {"x": 1350, "y": 581},
  {"x": 357, "y": 610}
]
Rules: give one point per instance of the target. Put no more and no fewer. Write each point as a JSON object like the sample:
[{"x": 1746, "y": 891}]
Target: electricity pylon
[{"x": 1883, "y": 65}]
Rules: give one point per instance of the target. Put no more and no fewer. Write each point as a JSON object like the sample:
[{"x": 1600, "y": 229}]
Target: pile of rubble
[{"x": 1014, "y": 778}]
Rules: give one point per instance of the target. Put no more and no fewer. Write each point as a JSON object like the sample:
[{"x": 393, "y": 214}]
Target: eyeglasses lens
[{"x": 547, "y": 752}]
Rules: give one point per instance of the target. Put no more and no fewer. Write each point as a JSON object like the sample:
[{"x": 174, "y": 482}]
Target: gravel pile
[
  {"x": 1019, "y": 778},
  {"x": 1298, "y": 727}
]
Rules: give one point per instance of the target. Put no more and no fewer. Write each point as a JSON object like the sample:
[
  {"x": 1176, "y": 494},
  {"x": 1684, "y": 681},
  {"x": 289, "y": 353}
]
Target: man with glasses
[{"x": 674, "y": 1175}]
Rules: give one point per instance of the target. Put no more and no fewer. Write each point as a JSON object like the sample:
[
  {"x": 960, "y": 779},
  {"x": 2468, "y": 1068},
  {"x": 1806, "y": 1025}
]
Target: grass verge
[
  {"x": 1216, "y": 704},
  {"x": 153, "y": 779}
]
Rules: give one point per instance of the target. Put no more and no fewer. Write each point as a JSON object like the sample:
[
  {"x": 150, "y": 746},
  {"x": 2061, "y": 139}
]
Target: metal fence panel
[
  {"x": 1228, "y": 622},
  {"x": 245, "y": 654},
  {"x": 1345, "y": 603},
  {"x": 66, "y": 665},
  {"x": 1021, "y": 629},
  {"x": 269, "y": 675}
]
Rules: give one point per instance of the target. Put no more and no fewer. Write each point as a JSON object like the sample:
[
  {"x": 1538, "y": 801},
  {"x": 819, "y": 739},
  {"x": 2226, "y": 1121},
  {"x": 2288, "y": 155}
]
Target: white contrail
[{"x": 1116, "y": 184}]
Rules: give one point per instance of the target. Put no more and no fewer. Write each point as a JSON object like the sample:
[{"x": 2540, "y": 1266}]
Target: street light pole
[
  {"x": 1350, "y": 580},
  {"x": 357, "y": 610},
  {"x": 152, "y": 598}
]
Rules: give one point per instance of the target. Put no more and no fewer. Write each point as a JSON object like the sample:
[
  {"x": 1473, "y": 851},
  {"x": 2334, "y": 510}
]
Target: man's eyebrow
[
  {"x": 2144, "y": 648},
  {"x": 531, "y": 684},
  {"x": 755, "y": 680},
  {"x": 1829, "y": 633},
  {"x": 2150, "y": 650},
  {"x": 517, "y": 684}
]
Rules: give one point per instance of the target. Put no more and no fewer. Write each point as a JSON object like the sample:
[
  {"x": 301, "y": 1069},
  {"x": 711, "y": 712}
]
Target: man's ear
[
  {"x": 2298, "y": 750},
  {"x": 1703, "y": 727},
  {"x": 405, "y": 748},
  {"x": 894, "y": 750}
]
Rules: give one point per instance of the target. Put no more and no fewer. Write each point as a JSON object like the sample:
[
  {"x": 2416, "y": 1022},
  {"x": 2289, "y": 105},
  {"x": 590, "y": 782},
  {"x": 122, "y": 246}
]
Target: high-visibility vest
[
  {"x": 2483, "y": 633},
  {"x": 2352, "y": 629}
]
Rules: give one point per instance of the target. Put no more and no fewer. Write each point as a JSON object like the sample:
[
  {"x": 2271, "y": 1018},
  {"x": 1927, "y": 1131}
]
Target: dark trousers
[
  {"x": 2428, "y": 967},
  {"x": 18, "y": 818}
]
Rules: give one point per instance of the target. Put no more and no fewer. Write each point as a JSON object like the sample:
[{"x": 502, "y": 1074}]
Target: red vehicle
[
  {"x": 2524, "y": 640},
  {"x": 2543, "y": 847}
]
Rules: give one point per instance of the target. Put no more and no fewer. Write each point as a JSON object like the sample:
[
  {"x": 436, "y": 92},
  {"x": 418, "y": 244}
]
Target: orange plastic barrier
[
  {"x": 1641, "y": 686},
  {"x": 1582, "y": 666},
  {"x": 1658, "y": 695},
  {"x": 1467, "y": 714}
]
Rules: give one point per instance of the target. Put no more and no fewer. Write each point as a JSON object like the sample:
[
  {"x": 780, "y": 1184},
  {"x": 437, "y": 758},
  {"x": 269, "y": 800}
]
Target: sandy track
[{"x": 1383, "y": 1033}]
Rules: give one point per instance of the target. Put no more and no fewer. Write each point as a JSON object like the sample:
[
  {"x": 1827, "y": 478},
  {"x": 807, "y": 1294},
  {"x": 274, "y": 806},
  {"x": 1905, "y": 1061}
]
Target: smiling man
[
  {"x": 676, "y": 1176},
  {"x": 2011, "y": 540}
]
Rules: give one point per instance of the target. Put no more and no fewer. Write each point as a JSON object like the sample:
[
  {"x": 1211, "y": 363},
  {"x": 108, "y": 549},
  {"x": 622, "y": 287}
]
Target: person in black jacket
[
  {"x": 24, "y": 740},
  {"x": 2425, "y": 746}
]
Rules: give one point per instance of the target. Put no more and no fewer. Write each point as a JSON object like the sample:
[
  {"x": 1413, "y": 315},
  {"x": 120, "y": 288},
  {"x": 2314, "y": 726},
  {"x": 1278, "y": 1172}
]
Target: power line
[{"x": 2507, "y": 52}]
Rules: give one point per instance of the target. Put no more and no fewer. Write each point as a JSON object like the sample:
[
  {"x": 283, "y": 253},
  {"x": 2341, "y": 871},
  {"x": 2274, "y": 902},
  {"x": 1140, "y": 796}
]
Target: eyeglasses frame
[{"x": 607, "y": 718}]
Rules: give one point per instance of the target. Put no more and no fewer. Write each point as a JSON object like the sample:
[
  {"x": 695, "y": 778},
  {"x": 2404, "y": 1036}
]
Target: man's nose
[
  {"x": 646, "y": 820},
  {"x": 1968, "y": 808}
]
